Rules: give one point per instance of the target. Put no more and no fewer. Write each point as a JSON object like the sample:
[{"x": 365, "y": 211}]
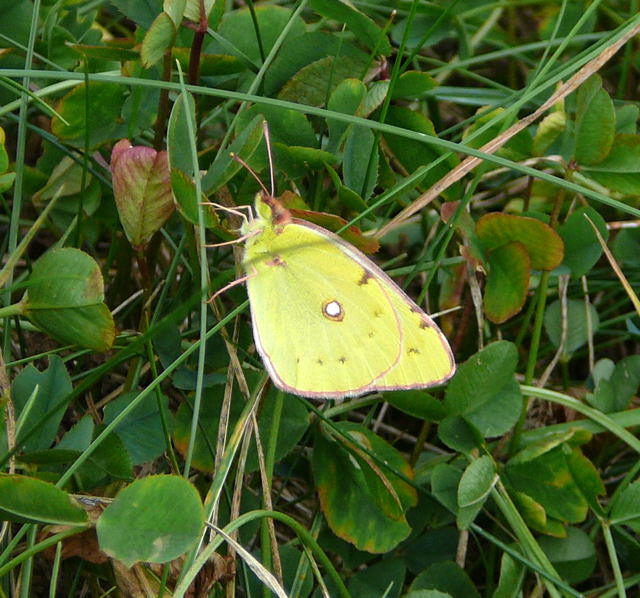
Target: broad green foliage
[{"x": 164, "y": 161}]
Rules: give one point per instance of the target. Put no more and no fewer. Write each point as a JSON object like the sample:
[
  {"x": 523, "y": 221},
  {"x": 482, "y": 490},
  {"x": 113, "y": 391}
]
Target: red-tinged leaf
[
  {"x": 334, "y": 223},
  {"x": 507, "y": 281},
  {"x": 141, "y": 189},
  {"x": 543, "y": 244}
]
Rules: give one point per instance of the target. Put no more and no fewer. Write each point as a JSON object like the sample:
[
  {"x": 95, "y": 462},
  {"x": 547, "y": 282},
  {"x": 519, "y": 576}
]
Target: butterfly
[{"x": 327, "y": 322}]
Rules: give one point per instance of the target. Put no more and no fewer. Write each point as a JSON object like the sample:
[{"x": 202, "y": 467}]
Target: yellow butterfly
[{"x": 327, "y": 322}]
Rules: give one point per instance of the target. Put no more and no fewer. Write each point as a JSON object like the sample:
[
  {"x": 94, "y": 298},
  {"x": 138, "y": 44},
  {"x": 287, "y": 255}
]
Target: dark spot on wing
[
  {"x": 377, "y": 314},
  {"x": 370, "y": 335},
  {"x": 413, "y": 350},
  {"x": 320, "y": 362},
  {"x": 424, "y": 324},
  {"x": 276, "y": 261},
  {"x": 366, "y": 276},
  {"x": 342, "y": 359}
]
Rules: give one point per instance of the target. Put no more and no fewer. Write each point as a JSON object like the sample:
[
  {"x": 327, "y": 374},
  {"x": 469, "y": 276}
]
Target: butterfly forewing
[{"x": 323, "y": 324}]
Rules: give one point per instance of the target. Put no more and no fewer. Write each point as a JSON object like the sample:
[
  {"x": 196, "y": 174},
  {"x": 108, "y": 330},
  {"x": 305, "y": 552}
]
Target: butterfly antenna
[
  {"x": 239, "y": 160},
  {"x": 267, "y": 139}
]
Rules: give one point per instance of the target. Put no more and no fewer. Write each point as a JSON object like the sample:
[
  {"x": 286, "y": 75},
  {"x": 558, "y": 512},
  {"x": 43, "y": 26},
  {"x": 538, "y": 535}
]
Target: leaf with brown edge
[
  {"x": 543, "y": 244},
  {"x": 507, "y": 281},
  {"x": 334, "y": 223},
  {"x": 356, "y": 503}
]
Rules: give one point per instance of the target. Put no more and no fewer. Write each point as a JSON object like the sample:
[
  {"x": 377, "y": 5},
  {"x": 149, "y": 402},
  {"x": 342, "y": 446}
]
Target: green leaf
[
  {"x": 352, "y": 495},
  {"x": 64, "y": 299},
  {"x": 445, "y": 480},
  {"x": 358, "y": 149},
  {"x": 620, "y": 170},
  {"x": 184, "y": 193},
  {"x": 50, "y": 386},
  {"x": 627, "y": 118},
  {"x": 346, "y": 98},
  {"x": 417, "y": 403},
  {"x": 157, "y": 40},
  {"x": 293, "y": 424},
  {"x": 507, "y": 281},
  {"x": 543, "y": 244},
  {"x": 582, "y": 249},
  {"x": 595, "y": 122},
  {"x": 385, "y": 578},
  {"x": 412, "y": 153},
  {"x": 298, "y": 52},
  {"x": 550, "y": 128},
  {"x": 476, "y": 483},
  {"x": 626, "y": 508},
  {"x": 178, "y": 136},
  {"x": 573, "y": 557},
  {"x": 141, "y": 189},
  {"x": 155, "y": 519},
  {"x": 581, "y": 318},
  {"x": 367, "y": 32},
  {"x": 484, "y": 390},
  {"x": 446, "y": 577},
  {"x": 224, "y": 167},
  {"x": 110, "y": 461},
  {"x": 28, "y": 498},
  {"x": 141, "y": 431},
  {"x": 413, "y": 84},
  {"x": 308, "y": 157},
  {"x": 314, "y": 83},
  {"x": 238, "y": 29},
  {"x": 626, "y": 247},
  {"x": 549, "y": 481},
  {"x": 92, "y": 110},
  {"x": 141, "y": 12},
  {"x": 511, "y": 576},
  {"x": 459, "y": 434}
]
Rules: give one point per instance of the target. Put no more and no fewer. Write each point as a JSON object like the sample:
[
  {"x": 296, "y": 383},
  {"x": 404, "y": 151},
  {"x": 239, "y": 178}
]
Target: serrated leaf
[
  {"x": 141, "y": 189},
  {"x": 157, "y": 40}
]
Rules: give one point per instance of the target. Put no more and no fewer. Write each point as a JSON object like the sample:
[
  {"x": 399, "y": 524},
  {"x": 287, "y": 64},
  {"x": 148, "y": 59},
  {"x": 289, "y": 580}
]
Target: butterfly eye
[{"x": 333, "y": 310}]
